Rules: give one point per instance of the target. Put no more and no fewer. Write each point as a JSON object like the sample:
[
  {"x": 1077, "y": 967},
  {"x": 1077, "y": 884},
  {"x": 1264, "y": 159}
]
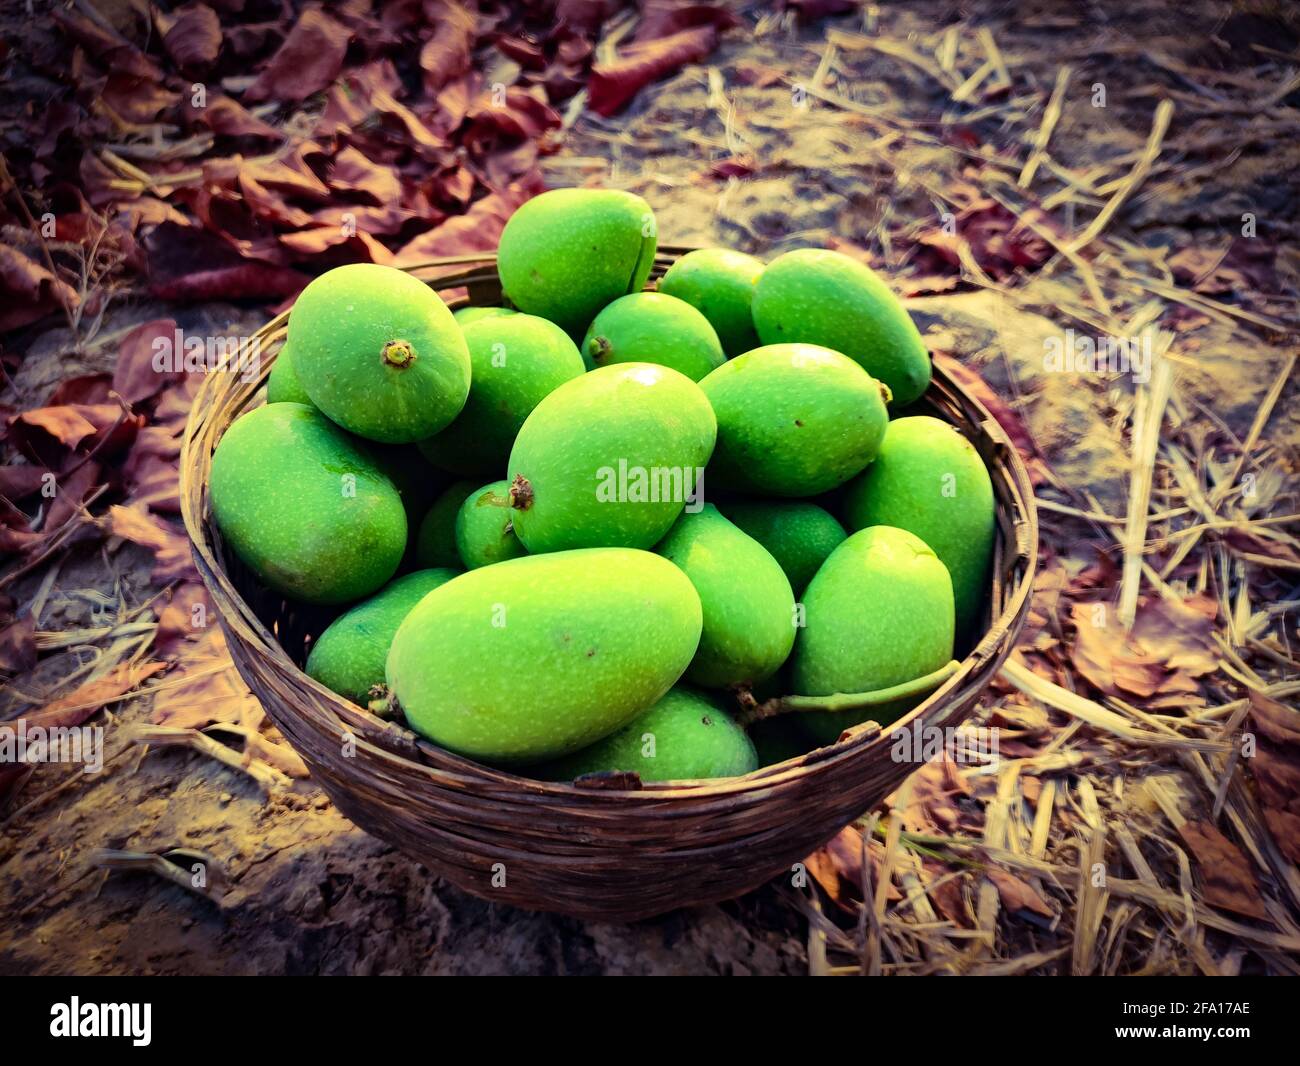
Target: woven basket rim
[{"x": 219, "y": 395}]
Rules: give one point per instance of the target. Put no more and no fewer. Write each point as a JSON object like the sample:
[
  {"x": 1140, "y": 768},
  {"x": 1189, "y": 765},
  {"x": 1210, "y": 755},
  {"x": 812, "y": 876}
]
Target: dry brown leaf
[
  {"x": 87, "y": 700},
  {"x": 171, "y": 548},
  {"x": 216, "y": 692},
  {"x": 280, "y": 756},
  {"x": 177, "y": 632},
  {"x": 945, "y": 893},
  {"x": 933, "y": 809},
  {"x": 1228, "y": 878},
  {"x": 1168, "y": 648},
  {"x": 1104, "y": 654},
  {"x": 1179, "y": 634},
  {"x": 1276, "y": 769},
  {"x": 18, "y": 645},
  {"x": 1017, "y": 895},
  {"x": 837, "y": 867},
  {"x": 207, "y": 691}
]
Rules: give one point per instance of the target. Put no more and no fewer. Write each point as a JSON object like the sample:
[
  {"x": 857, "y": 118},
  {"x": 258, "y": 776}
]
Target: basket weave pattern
[{"x": 591, "y": 853}]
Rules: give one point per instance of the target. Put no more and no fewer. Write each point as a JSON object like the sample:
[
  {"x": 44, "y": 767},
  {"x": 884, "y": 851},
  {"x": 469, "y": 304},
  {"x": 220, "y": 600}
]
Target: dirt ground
[{"x": 307, "y": 893}]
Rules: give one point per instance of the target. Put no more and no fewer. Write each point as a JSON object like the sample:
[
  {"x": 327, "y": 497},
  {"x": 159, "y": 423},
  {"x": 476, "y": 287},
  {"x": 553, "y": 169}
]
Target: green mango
[
  {"x": 567, "y": 253},
  {"x": 283, "y": 386},
  {"x": 465, "y": 315},
  {"x": 793, "y": 420},
  {"x": 815, "y": 296},
  {"x": 649, "y": 327},
  {"x": 610, "y": 459},
  {"x": 310, "y": 512},
  {"x": 930, "y": 480},
  {"x": 379, "y": 353},
  {"x": 719, "y": 283},
  {"x": 435, "y": 541},
  {"x": 798, "y": 535},
  {"x": 349, "y": 657},
  {"x": 686, "y": 736},
  {"x": 518, "y": 360},
  {"x": 484, "y": 532},
  {"x": 878, "y": 613},
  {"x": 748, "y": 606},
  {"x": 536, "y": 657}
]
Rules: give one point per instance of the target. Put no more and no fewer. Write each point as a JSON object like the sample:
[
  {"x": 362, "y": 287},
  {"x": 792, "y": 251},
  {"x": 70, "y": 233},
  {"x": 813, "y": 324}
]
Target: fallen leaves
[
  {"x": 994, "y": 239},
  {"x": 18, "y": 645},
  {"x": 1276, "y": 769},
  {"x": 69, "y": 424},
  {"x": 1226, "y": 874},
  {"x": 307, "y": 62},
  {"x": 28, "y": 291},
  {"x": 1017, "y": 895},
  {"x": 1168, "y": 648},
  {"x": 171, "y": 548},
  {"x": 135, "y": 377},
  {"x": 430, "y": 109},
  {"x": 614, "y": 84},
  {"x": 207, "y": 690},
  {"x": 838, "y": 868},
  {"x": 207, "y": 694},
  {"x": 89, "y": 699},
  {"x": 1011, "y": 421},
  {"x": 478, "y": 230},
  {"x": 191, "y": 36},
  {"x": 932, "y": 807}
]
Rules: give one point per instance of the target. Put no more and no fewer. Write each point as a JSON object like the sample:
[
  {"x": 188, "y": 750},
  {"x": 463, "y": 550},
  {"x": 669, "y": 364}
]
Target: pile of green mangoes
[{"x": 508, "y": 505}]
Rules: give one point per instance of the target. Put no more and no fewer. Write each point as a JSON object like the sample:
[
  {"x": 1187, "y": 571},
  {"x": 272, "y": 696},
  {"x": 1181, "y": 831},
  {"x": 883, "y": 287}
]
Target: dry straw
[{"x": 596, "y": 853}]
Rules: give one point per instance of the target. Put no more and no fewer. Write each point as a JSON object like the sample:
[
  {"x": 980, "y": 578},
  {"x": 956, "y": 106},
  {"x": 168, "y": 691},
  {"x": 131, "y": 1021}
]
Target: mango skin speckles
[
  {"x": 630, "y": 417},
  {"x": 651, "y": 327},
  {"x": 349, "y": 657},
  {"x": 748, "y": 606},
  {"x": 686, "y": 736},
  {"x": 878, "y": 613},
  {"x": 484, "y": 530},
  {"x": 815, "y": 296},
  {"x": 930, "y": 480},
  {"x": 719, "y": 283},
  {"x": 518, "y": 361},
  {"x": 799, "y": 535},
  {"x": 283, "y": 386},
  {"x": 567, "y": 253},
  {"x": 793, "y": 420},
  {"x": 536, "y": 657},
  {"x": 304, "y": 505},
  {"x": 341, "y": 326}
]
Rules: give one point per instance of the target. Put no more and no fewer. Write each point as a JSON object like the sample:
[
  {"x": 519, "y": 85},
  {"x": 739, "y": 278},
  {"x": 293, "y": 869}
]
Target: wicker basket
[{"x": 592, "y": 853}]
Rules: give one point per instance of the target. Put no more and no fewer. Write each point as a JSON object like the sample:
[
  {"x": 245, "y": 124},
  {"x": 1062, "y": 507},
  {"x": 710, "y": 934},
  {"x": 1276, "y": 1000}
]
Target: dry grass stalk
[
  {"x": 1051, "y": 116},
  {"x": 1147, "y": 420},
  {"x": 172, "y": 736},
  {"x": 1130, "y": 184},
  {"x": 203, "y": 881}
]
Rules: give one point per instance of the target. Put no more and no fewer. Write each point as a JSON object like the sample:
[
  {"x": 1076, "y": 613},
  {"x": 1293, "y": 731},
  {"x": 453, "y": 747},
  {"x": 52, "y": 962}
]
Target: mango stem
[
  {"x": 383, "y": 703},
  {"x": 751, "y": 711},
  {"x": 521, "y": 493},
  {"x": 398, "y": 353}
]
